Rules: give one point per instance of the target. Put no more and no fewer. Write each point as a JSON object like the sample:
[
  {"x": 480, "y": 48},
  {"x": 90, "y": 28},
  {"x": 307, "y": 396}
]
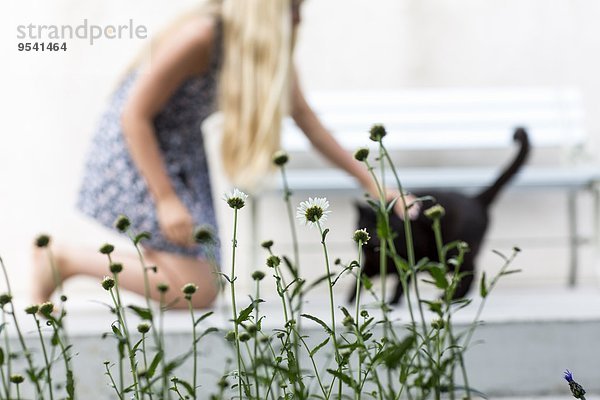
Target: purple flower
[
  {"x": 568, "y": 376},
  {"x": 576, "y": 389}
]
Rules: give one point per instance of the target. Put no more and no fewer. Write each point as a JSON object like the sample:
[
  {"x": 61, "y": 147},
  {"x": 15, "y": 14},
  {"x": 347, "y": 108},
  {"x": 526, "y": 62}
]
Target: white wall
[{"x": 50, "y": 102}]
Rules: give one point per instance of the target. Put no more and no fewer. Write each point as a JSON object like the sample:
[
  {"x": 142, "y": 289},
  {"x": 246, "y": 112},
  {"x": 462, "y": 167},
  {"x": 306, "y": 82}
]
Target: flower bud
[
  {"x": 46, "y": 308},
  {"x": 189, "y": 289},
  {"x": 108, "y": 283},
  {"x": 203, "y": 235},
  {"x": 107, "y": 248},
  {"x": 258, "y": 275},
  {"x": 348, "y": 322},
  {"x": 116, "y": 268},
  {"x": 438, "y": 324},
  {"x": 252, "y": 329},
  {"x": 32, "y": 309},
  {"x": 280, "y": 158},
  {"x": 162, "y": 287},
  {"x": 361, "y": 154},
  {"x": 435, "y": 212},
  {"x": 267, "y": 244},
  {"x": 244, "y": 337},
  {"x": 230, "y": 336},
  {"x": 361, "y": 236},
  {"x": 42, "y": 241},
  {"x": 5, "y": 298},
  {"x": 143, "y": 328},
  {"x": 273, "y": 261},
  {"x": 122, "y": 223},
  {"x": 377, "y": 132}
]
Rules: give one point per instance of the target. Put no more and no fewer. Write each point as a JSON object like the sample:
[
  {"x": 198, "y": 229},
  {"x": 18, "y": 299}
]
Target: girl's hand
[
  {"x": 414, "y": 208},
  {"x": 175, "y": 221}
]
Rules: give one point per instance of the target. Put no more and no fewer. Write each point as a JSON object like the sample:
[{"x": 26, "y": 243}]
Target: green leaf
[
  {"x": 142, "y": 312},
  {"x": 344, "y": 378},
  {"x": 207, "y": 332},
  {"x": 246, "y": 312},
  {"x": 325, "y": 232},
  {"x": 291, "y": 267},
  {"x": 366, "y": 282},
  {"x": 154, "y": 364},
  {"x": 293, "y": 374},
  {"x": 318, "y": 321},
  {"x": 298, "y": 288},
  {"x": 391, "y": 204},
  {"x": 483, "y": 291},
  {"x": 319, "y": 346},
  {"x": 224, "y": 276},
  {"x": 203, "y": 317},
  {"x": 346, "y": 269},
  {"x": 142, "y": 235},
  {"x": 501, "y": 255},
  {"x": 135, "y": 347},
  {"x": 439, "y": 276},
  {"x": 392, "y": 355},
  {"x": 511, "y": 271},
  {"x": 187, "y": 387},
  {"x": 345, "y": 311},
  {"x": 70, "y": 384},
  {"x": 1, "y": 357},
  {"x": 116, "y": 330}
]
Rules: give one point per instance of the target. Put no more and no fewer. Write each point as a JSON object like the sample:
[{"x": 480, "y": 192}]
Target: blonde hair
[
  {"x": 254, "y": 85},
  {"x": 254, "y": 80}
]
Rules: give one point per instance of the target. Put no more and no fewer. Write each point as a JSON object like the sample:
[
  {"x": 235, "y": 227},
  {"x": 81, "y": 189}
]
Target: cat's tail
[{"x": 489, "y": 195}]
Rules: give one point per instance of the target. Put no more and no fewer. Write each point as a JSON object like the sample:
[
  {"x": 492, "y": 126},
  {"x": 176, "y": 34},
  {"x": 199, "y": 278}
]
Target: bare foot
[{"x": 43, "y": 280}]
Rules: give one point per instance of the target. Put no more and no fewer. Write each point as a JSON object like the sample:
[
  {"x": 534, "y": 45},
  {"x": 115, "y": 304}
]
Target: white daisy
[
  {"x": 312, "y": 211},
  {"x": 236, "y": 199}
]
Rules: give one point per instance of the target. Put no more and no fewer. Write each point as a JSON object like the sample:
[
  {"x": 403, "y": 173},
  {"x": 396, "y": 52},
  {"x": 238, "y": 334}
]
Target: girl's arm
[
  {"x": 326, "y": 144},
  {"x": 186, "y": 52}
]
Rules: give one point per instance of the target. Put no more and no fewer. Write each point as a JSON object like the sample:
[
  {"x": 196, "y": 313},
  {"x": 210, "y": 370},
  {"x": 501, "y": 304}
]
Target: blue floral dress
[{"x": 112, "y": 184}]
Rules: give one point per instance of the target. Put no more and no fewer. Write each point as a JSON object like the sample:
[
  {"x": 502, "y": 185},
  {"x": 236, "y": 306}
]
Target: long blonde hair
[{"x": 254, "y": 84}]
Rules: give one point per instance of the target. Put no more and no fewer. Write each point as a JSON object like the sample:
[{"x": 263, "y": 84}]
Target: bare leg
[{"x": 173, "y": 269}]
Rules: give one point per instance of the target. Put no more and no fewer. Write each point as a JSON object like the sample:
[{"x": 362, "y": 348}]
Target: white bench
[{"x": 430, "y": 120}]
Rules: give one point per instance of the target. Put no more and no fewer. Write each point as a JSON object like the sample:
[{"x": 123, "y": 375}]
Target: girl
[{"x": 147, "y": 157}]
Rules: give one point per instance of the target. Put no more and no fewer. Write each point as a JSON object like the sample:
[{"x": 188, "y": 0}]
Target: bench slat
[
  {"x": 316, "y": 182},
  {"x": 421, "y": 119}
]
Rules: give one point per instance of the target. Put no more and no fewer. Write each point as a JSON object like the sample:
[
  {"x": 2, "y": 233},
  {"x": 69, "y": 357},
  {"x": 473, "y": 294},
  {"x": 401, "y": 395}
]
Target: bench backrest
[{"x": 448, "y": 118}]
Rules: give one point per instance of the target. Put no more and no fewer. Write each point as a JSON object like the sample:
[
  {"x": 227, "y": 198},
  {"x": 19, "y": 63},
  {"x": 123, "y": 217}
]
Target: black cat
[{"x": 466, "y": 219}]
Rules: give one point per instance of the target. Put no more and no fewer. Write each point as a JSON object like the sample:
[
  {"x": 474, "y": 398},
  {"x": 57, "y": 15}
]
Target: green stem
[
  {"x": 26, "y": 352},
  {"x": 6, "y": 382},
  {"x": 123, "y": 324},
  {"x": 331, "y": 307},
  {"x": 66, "y": 359},
  {"x": 194, "y": 346},
  {"x": 161, "y": 339},
  {"x": 256, "y": 319},
  {"x": 176, "y": 390},
  {"x": 357, "y": 313},
  {"x": 233, "y": 303},
  {"x": 147, "y": 292},
  {"x": 114, "y": 384},
  {"x": 315, "y": 369},
  {"x": 48, "y": 365}
]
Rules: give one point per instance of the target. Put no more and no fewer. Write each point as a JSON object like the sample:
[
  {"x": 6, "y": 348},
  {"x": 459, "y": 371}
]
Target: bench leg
[
  {"x": 573, "y": 238},
  {"x": 254, "y": 205}
]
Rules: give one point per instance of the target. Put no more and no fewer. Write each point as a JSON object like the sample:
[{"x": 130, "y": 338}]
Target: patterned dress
[{"x": 112, "y": 184}]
